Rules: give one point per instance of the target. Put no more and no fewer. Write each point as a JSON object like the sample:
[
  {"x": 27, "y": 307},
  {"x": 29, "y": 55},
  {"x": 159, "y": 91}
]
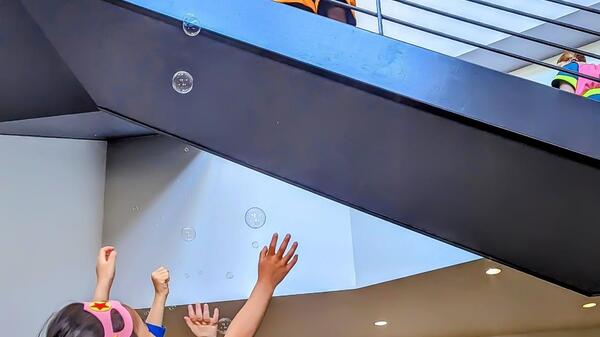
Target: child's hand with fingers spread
[
  {"x": 160, "y": 279},
  {"x": 274, "y": 264},
  {"x": 200, "y": 322}
]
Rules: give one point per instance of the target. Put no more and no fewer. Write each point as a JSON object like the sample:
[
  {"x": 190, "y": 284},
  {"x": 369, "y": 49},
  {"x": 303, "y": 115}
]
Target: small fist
[
  {"x": 106, "y": 264},
  {"x": 160, "y": 279}
]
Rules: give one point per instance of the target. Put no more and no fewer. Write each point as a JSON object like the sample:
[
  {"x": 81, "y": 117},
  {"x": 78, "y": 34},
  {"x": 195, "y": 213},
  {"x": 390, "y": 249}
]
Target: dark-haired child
[{"x": 104, "y": 318}]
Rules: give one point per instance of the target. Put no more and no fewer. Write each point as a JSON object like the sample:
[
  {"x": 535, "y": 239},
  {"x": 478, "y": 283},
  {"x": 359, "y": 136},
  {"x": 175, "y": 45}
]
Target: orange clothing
[{"x": 313, "y": 5}]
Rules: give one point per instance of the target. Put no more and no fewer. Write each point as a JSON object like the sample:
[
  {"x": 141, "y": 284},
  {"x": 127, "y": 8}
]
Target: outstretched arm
[
  {"x": 160, "y": 280},
  {"x": 273, "y": 266},
  {"x": 105, "y": 273}
]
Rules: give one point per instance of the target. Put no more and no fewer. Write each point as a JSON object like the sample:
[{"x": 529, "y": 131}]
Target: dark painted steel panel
[
  {"x": 521, "y": 202},
  {"x": 97, "y": 125},
  {"x": 34, "y": 81}
]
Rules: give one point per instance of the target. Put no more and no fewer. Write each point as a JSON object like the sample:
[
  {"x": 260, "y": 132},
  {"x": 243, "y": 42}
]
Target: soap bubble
[
  {"x": 255, "y": 218},
  {"x": 135, "y": 209},
  {"x": 229, "y": 275},
  {"x": 223, "y": 325},
  {"x": 183, "y": 82},
  {"x": 191, "y": 25},
  {"x": 186, "y": 149},
  {"x": 188, "y": 233},
  {"x": 255, "y": 244},
  {"x": 172, "y": 308}
]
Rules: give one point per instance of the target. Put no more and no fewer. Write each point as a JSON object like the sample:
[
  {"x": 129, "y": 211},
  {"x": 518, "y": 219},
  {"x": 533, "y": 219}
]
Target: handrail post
[{"x": 379, "y": 17}]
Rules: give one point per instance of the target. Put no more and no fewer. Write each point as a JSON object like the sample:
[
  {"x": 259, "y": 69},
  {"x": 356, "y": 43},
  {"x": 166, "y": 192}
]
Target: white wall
[
  {"x": 154, "y": 188},
  {"x": 173, "y": 189},
  {"x": 51, "y": 205},
  {"x": 384, "y": 252}
]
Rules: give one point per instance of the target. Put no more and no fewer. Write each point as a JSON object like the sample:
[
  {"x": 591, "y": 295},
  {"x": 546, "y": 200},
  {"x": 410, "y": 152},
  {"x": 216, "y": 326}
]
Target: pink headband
[{"x": 101, "y": 310}]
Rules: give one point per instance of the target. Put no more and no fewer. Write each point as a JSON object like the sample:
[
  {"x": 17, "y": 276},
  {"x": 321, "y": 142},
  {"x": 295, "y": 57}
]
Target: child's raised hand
[
  {"x": 160, "y": 279},
  {"x": 274, "y": 264},
  {"x": 106, "y": 264},
  {"x": 200, "y": 322}
]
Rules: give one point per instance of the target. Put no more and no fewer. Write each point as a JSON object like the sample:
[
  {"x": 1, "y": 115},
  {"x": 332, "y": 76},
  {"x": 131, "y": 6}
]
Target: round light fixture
[
  {"x": 380, "y": 323},
  {"x": 493, "y": 271},
  {"x": 589, "y": 305}
]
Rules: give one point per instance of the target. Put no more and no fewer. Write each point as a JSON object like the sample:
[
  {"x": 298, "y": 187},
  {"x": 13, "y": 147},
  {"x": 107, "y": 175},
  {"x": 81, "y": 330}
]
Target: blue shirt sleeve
[{"x": 157, "y": 331}]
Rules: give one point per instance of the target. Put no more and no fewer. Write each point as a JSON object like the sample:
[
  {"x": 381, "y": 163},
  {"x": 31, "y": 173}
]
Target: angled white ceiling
[
  {"x": 154, "y": 188},
  {"x": 485, "y": 36}
]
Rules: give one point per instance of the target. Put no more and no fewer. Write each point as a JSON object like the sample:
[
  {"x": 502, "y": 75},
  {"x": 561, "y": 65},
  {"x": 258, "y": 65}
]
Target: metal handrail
[
  {"x": 379, "y": 18},
  {"x": 535, "y": 17},
  {"x": 497, "y": 29},
  {"x": 574, "y": 5},
  {"x": 461, "y": 40}
]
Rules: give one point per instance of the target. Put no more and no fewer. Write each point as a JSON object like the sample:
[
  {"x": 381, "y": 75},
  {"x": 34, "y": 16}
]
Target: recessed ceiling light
[
  {"x": 493, "y": 271},
  {"x": 380, "y": 323},
  {"x": 589, "y": 305}
]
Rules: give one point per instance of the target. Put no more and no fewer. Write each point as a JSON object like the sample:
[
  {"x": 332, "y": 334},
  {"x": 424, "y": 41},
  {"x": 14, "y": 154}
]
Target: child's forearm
[
  {"x": 249, "y": 318},
  {"x": 102, "y": 291},
  {"x": 157, "y": 311}
]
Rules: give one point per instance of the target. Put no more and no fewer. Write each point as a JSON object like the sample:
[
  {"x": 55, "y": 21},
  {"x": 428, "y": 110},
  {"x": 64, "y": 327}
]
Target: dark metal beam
[
  {"x": 528, "y": 204},
  {"x": 35, "y": 82}
]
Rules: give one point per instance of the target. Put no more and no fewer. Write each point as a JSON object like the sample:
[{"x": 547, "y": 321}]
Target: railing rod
[
  {"x": 461, "y": 40},
  {"x": 497, "y": 29},
  {"x": 574, "y": 5},
  {"x": 379, "y": 18},
  {"x": 535, "y": 17}
]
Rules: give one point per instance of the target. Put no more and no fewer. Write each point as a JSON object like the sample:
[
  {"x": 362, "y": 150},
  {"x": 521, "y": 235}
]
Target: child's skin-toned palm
[
  {"x": 200, "y": 322},
  {"x": 274, "y": 264}
]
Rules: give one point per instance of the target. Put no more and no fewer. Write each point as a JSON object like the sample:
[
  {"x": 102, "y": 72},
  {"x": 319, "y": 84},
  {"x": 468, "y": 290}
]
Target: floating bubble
[
  {"x": 255, "y": 244},
  {"x": 135, "y": 209},
  {"x": 229, "y": 275},
  {"x": 223, "y": 325},
  {"x": 255, "y": 218},
  {"x": 172, "y": 308},
  {"x": 188, "y": 233},
  {"x": 191, "y": 25},
  {"x": 183, "y": 82},
  {"x": 186, "y": 149}
]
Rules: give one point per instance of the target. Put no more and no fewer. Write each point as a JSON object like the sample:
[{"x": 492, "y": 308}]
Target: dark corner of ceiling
[{"x": 35, "y": 81}]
